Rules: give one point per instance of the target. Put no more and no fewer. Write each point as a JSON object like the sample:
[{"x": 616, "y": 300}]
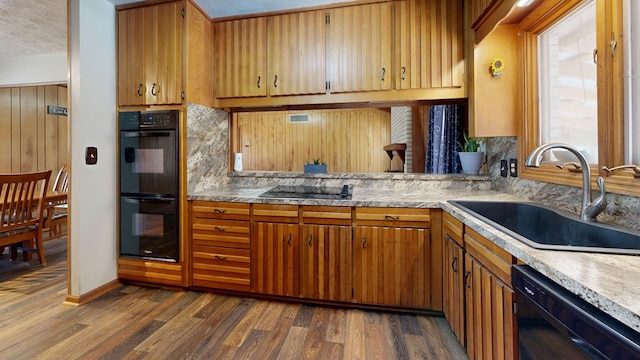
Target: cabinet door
[
  {"x": 325, "y": 262},
  {"x": 131, "y": 83},
  {"x": 429, "y": 44},
  {"x": 360, "y": 48},
  {"x": 163, "y": 53},
  {"x": 454, "y": 287},
  {"x": 241, "y": 59},
  {"x": 491, "y": 324},
  {"x": 392, "y": 266},
  {"x": 297, "y": 54},
  {"x": 275, "y": 254},
  {"x": 150, "y": 55}
]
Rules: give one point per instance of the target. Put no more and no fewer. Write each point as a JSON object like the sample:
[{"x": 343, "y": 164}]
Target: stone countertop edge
[{"x": 595, "y": 278}]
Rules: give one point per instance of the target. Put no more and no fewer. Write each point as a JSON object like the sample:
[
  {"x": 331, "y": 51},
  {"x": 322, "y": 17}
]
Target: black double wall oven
[{"x": 149, "y": 185}]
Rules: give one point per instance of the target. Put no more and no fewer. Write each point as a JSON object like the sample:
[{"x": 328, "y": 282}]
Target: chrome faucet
[{"x": 590, "y": 209}]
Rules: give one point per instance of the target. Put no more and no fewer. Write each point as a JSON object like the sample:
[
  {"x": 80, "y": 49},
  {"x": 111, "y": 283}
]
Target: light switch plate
[
  {"x": 504, "y": 168},
  {"x": 91, "y": 155}
]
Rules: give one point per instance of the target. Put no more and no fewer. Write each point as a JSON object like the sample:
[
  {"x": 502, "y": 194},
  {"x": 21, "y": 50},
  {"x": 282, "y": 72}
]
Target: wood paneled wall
[
  {"x": 348, "y": 140},
  {"x": 30, "y": 139}
]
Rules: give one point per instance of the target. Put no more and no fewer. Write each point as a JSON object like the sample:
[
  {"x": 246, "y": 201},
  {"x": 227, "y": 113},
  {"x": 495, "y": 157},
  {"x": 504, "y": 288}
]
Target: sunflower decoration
[{"x": 497, "y": 67}]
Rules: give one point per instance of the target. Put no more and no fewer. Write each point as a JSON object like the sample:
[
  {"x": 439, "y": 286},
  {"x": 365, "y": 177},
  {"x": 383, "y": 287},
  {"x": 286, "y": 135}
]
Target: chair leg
[{"x": 40, "y": 250}]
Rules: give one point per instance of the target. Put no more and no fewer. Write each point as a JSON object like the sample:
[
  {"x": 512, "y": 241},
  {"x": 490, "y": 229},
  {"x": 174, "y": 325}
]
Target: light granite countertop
[{"x": 609, "y": 282}]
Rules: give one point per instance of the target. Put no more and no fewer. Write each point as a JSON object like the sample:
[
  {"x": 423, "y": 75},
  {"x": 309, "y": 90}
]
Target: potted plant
[
  {"x": 471, "y": 158},
  {"x": 316, "y": 167}
]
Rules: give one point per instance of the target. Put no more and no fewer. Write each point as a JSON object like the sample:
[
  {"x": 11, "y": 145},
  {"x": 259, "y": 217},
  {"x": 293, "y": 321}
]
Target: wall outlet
[
  {"x": 504, "y": 168},
  {"x": 513, "y": 167}
]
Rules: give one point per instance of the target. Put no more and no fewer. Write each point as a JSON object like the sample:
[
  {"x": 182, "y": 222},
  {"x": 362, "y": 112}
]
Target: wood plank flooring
[{"x": 135, "y": 322}]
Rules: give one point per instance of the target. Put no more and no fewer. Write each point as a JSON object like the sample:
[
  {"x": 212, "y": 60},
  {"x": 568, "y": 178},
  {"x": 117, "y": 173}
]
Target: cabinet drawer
[
  {"x": 394, "y": 217},
  {"x": 275, "y": 213},
  {"x": 490, "y": 255},
  {"x": 223, "y": 233},
  {"x": 453, "y": 228},
  {"x": 221, "y": 268},
  {"x": 326, "y": 215},
  {"x": 219, "y": 210}
]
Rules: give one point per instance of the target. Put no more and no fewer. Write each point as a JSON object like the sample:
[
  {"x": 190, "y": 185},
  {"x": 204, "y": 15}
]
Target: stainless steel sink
[
  {"x": 310, "y": 192},
  {"x": 542, "y": 227}
]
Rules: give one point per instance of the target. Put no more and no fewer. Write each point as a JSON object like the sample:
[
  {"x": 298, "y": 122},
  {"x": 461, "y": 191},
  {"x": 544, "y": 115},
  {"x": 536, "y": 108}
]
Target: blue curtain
[{"x": 445, "y": 130}]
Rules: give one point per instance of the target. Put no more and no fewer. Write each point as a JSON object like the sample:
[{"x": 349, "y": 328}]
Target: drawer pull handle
[
  {"x": 220, "y": 257},
  {"x": 467, "y": 283},
  {"x": 221, "y": 229},
  {"x": 454, "y": 264},
  {"x": 219, "y": 211},
  {"x": 289, "y": 240},
  {"x": 364, "y": 242},
  {"x": 394, "y": 218},
  {"x": 310, "y": 242}
]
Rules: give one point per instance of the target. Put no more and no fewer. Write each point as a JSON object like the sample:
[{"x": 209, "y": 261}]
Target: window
[
  {"x": 568, "y": 95},
  {"x": 567, "y": 76}
]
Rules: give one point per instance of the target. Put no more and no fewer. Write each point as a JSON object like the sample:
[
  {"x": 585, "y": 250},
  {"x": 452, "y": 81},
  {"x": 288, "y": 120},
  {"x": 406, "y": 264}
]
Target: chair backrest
[
  {"x": 22, "y": 199},
  {"x": 61, "y": 183}
]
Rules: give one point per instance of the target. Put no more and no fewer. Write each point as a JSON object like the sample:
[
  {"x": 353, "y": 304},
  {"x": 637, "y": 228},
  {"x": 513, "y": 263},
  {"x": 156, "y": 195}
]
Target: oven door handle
[
  {"x": 151, "y": 198},
  {"x": 134, "y": 134}
]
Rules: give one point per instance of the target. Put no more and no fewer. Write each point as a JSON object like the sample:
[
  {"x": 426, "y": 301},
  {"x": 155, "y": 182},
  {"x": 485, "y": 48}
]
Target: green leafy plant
[
  {"x": 318, "y": 162},
  {"x": 470, "y": 144}
]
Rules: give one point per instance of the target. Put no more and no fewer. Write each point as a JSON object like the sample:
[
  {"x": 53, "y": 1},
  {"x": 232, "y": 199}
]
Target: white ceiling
[{"x": 37, "y": 27}]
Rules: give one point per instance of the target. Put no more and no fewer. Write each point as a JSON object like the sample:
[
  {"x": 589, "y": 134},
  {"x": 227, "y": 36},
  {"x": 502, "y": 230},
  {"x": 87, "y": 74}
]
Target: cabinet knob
[
  {"x": 310, "y": 242},
  {"x": 404, "y": 71}
]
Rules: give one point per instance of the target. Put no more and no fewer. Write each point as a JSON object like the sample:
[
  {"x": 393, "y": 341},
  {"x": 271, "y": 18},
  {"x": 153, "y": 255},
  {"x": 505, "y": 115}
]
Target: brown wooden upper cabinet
[
  {"x": 360, "y": 48},
  {"x": 429, "y": 47},
  {"x": 297, "y": 53},
  {"x": 150, "y": 54},
  {"x": 241, "y": 58},
  {"x": 346, "y": 51}
]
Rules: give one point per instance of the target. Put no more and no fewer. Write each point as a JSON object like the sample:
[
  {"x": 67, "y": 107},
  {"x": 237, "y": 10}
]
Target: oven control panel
[{"x": 137, "y": 120}]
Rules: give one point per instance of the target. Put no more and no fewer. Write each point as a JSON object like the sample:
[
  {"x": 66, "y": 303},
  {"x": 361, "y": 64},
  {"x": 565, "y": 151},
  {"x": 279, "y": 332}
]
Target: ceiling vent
[{"x": 298, "y": 118}]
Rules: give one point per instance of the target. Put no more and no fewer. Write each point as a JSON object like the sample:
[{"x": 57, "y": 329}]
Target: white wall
[
  {"x": 34, "y": 70},
  {"x": 92, "y": 115}
]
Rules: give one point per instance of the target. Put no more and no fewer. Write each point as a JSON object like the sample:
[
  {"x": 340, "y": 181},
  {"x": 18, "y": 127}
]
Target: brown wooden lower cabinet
[
  {"x": 275, "y": 253},
  {"x": 478, "y": 300},
  {"x": 391, "y": 266},
  {"x": 326, "y": 262},
  {"x": 220, "y": 248}
]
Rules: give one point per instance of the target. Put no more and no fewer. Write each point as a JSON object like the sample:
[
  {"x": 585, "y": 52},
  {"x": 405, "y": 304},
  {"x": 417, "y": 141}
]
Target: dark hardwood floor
[{"x": 135, "y": 322}]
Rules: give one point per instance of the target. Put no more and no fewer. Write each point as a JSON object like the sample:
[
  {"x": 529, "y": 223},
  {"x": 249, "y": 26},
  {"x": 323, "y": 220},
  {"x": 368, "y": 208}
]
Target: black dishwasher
[{"x": 554, "y": 323}]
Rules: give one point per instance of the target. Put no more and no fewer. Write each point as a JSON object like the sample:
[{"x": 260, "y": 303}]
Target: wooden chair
[
  {"x": 22, "y": 203},
  {"x": 56, "y": 213}
]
